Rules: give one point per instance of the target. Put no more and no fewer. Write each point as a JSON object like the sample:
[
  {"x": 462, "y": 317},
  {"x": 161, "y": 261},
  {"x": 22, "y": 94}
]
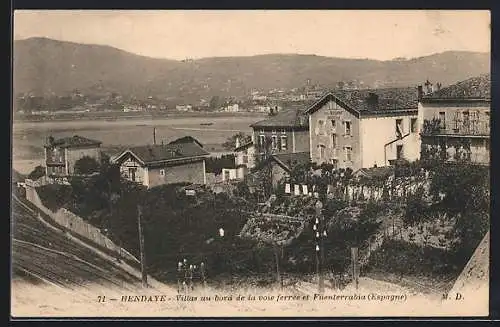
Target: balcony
[
  {"x": 456, "y": 127},
  {"x": 55, "y": 160},
  {"x": 55, "y": 157}
]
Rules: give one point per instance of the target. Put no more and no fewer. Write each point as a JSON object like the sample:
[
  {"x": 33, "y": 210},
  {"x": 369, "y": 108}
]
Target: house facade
[
  {"x": 155, "y": 165},
  {"x": 362, "y": 128},
  {"x": 62, "y": 154},
  {"x": 455, "y": 122},
  {"x": 282, "y": 165},
  {"x": 244, "y": 159},
  {"x": 286, "y": 132}
]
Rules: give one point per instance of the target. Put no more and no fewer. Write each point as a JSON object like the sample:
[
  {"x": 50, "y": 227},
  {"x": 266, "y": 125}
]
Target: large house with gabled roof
[
  {"x": 286, "y": 132},
  {"x": 62, "y": 154},
  {"x": 364, "y": 128},
  {"x": 455, "y": 121},
  {"x": 154, "y": 165}
]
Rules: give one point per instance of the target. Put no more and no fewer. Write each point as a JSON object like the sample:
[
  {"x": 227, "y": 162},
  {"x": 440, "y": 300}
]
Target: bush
[
  {"x": 215, "y": 165},
  {"x": 465, "y": 187},
  {"x": 38, "y": 172},
  {"x": 410, "y": 259},
  {"x": 86, "y": 165},
  {"x": 415, "y": 210},
  {"x": 55, "y": 196}
]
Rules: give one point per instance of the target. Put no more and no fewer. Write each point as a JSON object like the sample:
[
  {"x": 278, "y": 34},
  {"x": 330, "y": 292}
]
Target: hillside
[{"x": 43, "y": 66}]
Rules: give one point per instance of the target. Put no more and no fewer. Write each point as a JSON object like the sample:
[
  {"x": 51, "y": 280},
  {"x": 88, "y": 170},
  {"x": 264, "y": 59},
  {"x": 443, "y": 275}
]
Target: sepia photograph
[{"x": 250, "y": 163}]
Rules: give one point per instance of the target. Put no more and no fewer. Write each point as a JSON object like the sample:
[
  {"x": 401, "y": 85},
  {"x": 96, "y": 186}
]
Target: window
[
  {"x": 262, "y": 140},
  {"x": 274, "y": 132},
  {"x": 413, "y": 125},
  {"x": 275, "y": 142},
  {"x": 465, "y": 115},
  {"x": 348, "y": 153},
  {"x": 283, "y": 131},
  {"x": 334, "y": 141},
  {"x": 245, "y": 159},
  {"x": 442, "y": 119},
  {"x": 347, "y": 125},
  {"x": 283, "y": 143},
  {"x": 162, "y": 172},
  {"x": 332, "y": 121},
  {"x": 131, "y": 173},
  {"x": 399, "y": 152},
  {"x": 321, "y": 127},
  {"x": 333, "y": 162},
  {"x": 321, "y": 151},
  {"x": 475, "y": 115},
  {"x": 399, "y": 128}
]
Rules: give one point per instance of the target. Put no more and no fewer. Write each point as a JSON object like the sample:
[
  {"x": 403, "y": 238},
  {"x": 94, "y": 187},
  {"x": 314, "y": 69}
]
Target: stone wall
[{"x": 75, "y": 224}]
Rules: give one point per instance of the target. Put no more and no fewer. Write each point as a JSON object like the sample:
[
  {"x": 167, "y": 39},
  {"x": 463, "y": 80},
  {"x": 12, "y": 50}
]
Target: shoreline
[{"x": 115, "y": 116}]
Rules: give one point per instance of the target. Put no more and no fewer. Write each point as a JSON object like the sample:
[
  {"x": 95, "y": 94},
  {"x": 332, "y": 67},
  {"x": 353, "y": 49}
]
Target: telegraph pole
[
  {"x": 141, "y": 247},
  {"x": 320, "y": 256},
  {"x": 278, "y": 274},
  {"x": 355, "y": 266},
  {"x": 203, "y": 277}
]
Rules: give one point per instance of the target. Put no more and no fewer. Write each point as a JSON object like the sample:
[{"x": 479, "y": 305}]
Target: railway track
[
  {"x": 40, "y": 253},
  {"x": 64, "y": 269}
]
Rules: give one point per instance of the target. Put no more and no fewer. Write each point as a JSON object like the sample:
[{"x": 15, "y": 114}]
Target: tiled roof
[
  {"x": 388, "y": 100},
  {"x": 375, "y": 172},
  {"x": 293, "y": 117},
  {"x": 159, "y": 153},
  {"x": 186, "y": 139},
  {"x": 243, "y": 146},
  {"x": 73, "y": 142},
  {"x": 290, "y": 160},
  {"x": 478, "y": 87}
]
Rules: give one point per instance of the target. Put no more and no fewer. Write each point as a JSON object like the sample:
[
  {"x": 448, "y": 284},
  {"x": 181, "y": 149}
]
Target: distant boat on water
[{"x": 206, "y": 124}]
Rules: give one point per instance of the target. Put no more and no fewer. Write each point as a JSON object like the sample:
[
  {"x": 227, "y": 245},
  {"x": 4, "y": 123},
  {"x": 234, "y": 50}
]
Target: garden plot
[{"x": 273, "y": 229}]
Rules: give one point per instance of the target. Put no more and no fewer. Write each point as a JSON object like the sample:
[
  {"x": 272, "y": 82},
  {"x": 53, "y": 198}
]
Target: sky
[{"x": 181, "y": 34}]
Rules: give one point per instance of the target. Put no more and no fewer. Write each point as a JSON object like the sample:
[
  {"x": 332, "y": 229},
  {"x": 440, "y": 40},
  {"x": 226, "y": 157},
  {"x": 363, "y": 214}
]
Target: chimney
[
  {"x": 150, "y": 150},
  {"x": 428, "y": 86},
  {"x": 372, "y": 101},
  {"x": 420, "y": 92},
  {"x": 237, "y": 145}
]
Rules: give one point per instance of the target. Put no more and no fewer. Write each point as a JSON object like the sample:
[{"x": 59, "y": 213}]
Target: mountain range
[{"x": 45, "y": 66}]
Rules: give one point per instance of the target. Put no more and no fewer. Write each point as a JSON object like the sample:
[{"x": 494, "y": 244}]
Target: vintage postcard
[{"x": 263, "y": 163}]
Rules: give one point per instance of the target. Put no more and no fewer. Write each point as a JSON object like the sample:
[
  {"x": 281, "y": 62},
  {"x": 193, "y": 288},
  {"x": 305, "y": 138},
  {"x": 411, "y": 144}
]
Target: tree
[
  {"x": 215, "y": 165},
  {"x": 416, "y": 208},
  {"x": 215, "y": 102},
  {"x": 263, "y": 168},
  {"x": 230, "y": 143},
  {"x": 86, "y": 165},
  {"x": 38, "y": 172}
]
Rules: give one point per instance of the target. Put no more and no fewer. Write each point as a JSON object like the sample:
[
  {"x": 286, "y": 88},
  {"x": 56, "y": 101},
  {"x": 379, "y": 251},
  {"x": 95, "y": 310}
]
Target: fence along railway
[{"x": 40, "y": 253}]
